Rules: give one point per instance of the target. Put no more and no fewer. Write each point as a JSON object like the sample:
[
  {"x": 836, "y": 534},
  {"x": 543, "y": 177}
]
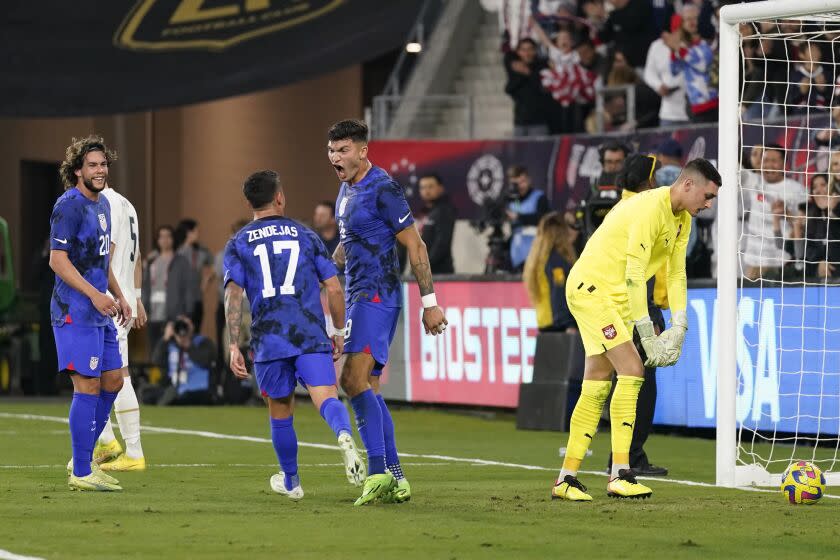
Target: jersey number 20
[{"x": 288, "y": 287}]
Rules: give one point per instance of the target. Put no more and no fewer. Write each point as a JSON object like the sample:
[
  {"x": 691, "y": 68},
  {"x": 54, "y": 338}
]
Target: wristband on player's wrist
[
  {"x": 139, "y": 292},
  {"x": 429, "y": 300},
  {"x": 340, "y": 332}
]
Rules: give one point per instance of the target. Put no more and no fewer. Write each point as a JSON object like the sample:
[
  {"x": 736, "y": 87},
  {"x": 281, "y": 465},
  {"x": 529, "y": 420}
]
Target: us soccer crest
[
  {"x": 103, "y": 222},
  {"x": 94, "y": 361},
  {"x": 609, "y": 332}
]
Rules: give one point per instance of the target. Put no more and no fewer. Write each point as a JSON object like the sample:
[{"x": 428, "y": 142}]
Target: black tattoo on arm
[
  {"x": 421, "y": 269},
  {"x": 233, "y": 311}
]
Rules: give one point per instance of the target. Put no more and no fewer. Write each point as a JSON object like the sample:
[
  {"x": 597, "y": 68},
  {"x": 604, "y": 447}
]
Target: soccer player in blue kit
[
  {"x": 372, "y": 215},
  {"x": 280, "y": 264},
  {"x": 81, "y": 310}
]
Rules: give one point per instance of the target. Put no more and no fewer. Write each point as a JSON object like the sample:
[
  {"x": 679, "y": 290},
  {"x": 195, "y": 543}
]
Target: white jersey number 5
[{"x": 288, "y": 287}]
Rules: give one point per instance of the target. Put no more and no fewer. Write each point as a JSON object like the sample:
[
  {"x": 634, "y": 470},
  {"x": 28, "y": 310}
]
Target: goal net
[{"x": 779, "y": 241}]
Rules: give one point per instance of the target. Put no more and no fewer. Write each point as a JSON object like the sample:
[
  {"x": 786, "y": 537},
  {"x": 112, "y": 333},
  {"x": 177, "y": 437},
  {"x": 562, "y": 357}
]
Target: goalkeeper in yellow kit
[{"x": 606, "y": 292}]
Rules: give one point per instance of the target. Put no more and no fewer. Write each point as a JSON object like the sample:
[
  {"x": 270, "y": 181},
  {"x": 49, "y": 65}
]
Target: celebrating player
[
  {"x": 279, "y": 264},
  {"x": 372, "y": 214},
  {"x": 125, "y": 254},
  {"x": 81, "y": 310},
  {"x": 607, "y": 295}
]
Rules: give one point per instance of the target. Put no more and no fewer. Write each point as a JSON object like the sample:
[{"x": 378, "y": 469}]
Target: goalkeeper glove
[
  {"x": 673, "y": 338},
  {"x": 654, "y": 348}
]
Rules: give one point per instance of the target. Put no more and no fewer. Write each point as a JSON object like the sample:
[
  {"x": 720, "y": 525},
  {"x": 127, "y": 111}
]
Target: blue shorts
[
  {"x": 370, "y": 329},
  {"x": 87, "y": 351},
  {"x": 277, "y": 378}
]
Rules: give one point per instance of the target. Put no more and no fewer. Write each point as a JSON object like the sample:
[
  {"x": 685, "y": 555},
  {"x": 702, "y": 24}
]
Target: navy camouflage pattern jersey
[
  {"x": 369, "y": 215},
  {"x": 82, "y": 228},
  {"x": 280, "y": 264}
]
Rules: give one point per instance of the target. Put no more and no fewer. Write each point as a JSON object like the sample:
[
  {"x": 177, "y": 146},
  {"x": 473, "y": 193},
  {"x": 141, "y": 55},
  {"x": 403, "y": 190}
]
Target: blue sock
[
  {"x": 392, "y": 459},
  {"x": 82, "y": 431},
  {"x": 284, "y": 438},
  {"x": 103, "y": 412},
  {"x": 336, "y": 416},
  {"x": 369, "y": 422}
]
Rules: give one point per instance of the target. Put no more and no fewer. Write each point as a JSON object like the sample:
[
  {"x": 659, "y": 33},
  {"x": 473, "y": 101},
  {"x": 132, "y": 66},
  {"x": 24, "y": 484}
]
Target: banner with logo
[
  {"x": 790, "y": 374},
  {"x": 485, "y": 353},
  {"x": 89, "y": 57}
]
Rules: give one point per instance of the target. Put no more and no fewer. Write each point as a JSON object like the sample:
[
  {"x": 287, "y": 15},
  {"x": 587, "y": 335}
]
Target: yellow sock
[
  {"x": 584, "y": 424},
  {"x": 623, "y": 419}
]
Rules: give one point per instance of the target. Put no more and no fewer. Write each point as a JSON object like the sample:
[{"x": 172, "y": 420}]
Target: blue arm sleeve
[
  {"x": 234, "y": 271},
  {"x": 393, "y": 207},
  {"x": 324, "y": 264},
  {"x": 64, "y": 224}
]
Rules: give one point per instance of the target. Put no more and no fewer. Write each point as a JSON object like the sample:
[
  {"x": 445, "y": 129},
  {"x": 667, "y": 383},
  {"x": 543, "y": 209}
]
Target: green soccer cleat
[
  {"x": 398, "y": 494},
  {"x": 91, "y": 483},
  {"x": 104, "y": 452},
  {"x": 95, "y": 470},
  {"x": 376, "y": 485},
  {"x": 625, "y": 486}
]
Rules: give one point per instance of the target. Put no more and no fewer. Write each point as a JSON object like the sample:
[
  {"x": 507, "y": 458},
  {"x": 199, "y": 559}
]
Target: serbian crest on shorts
[
  {"x": 103, "y": 222},
  {"x": 609, "y": 332},
  {"x": 94, "y": 361}
]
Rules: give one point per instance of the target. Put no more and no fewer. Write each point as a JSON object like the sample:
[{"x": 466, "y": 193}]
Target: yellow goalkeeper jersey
[{"x": 639, "y": 236}]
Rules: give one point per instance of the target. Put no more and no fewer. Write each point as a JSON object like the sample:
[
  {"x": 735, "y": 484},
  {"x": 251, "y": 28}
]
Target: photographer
[
  {"x": 187, "y": 360},
  {"x": 527, "y": 205},
  {"x": 612, "y": 155}
]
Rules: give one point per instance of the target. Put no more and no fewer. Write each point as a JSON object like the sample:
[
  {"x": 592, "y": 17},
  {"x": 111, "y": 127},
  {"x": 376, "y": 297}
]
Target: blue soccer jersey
[
  {"x": 280, "y": 264},
  {"x": 82, "y": 228},
  {"x": 369, "y": 216}
]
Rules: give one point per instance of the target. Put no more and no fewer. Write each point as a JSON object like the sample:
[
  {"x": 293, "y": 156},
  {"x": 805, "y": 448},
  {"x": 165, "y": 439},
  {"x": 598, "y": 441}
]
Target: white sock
[
  {"x": 128, "y": 415},
  {"x": 616, "y": 468},
  {"x": 107, "y": 435},
  {"x": 563, "y": 474}
]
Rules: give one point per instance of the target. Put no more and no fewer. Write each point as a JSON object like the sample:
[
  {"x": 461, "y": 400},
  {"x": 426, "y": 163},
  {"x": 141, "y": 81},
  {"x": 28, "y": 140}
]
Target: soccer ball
[{"x": 803, "y": 483}]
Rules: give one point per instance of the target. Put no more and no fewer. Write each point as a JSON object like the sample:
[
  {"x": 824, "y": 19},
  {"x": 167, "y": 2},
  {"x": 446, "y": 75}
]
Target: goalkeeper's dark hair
[
  {"x": 705, "y": 168},
  {"x": 260, "y": 188},
  {"x": 352, "y": 129},
  {"x": 635, "y": 173}
]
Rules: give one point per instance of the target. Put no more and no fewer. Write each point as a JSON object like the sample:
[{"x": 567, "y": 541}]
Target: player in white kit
[{"x": 125, "y": 259}]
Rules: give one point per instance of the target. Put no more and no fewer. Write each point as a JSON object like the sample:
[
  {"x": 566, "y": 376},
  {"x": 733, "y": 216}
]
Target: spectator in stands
[
  {"x": 775, "y": 198},
  {"x": 809, "y": 87},
  {"x": 830, "y": 136},
  {"x": 660, "y": 76},
  {"x": 637, "y": 175},
  {"x": 834, "y": 171},
  {"x": 594, "y": 68},
  {"x": 548, "y": 264},
  {"x": 323, "y": 222},
  {"x": 561, "y": 51},
  {"x": 630, "y": 28},
  {"x": 693, "y": 56},
  {"x": 670, "y": 155},
  {"x": 201, "y": 264},
  {"x": 820, "y": 229},
  {"x": 167, "y": 288},
  {"x": 436, "y": 223},
  {"x": 187, "y": 360},
  {"x": 524, "y": 86},
  {"x": 646, "y": 110},
  {"x": 524, "y": 212},
  {"x": 766, "y": 77},
  {"x": 612, "y": 155}
]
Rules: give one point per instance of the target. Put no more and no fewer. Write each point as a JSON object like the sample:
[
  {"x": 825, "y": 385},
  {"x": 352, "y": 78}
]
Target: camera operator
[
  {"x": 524, "y": 210},
  {"x": 612, "y": 155},
  {"x": 187, "y": 360}
]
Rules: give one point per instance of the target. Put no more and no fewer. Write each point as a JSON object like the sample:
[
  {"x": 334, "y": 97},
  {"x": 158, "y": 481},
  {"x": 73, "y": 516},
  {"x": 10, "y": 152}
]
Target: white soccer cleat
[
  {"x": 278, "y": 485},
  {"x": 354, "y": 466}
]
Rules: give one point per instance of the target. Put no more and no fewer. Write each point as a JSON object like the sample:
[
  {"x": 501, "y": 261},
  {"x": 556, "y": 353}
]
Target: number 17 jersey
[{"x": 280, "y": 264}]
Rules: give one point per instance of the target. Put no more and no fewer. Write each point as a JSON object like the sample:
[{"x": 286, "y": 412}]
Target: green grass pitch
[{"x": 204, "y": 497}]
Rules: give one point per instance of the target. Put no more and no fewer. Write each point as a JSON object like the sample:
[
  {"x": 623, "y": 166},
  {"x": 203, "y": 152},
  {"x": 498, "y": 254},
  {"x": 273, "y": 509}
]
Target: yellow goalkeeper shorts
[{"x": 603, "y": 321}]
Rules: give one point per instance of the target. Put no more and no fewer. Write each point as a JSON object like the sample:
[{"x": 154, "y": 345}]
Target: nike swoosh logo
[
  {"x": 60, "y": 240},
  {"x": 404, "y": 218}
]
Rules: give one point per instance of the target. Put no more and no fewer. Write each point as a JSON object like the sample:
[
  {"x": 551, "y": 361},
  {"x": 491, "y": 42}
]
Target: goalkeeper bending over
[{"x": 606, "y": 292}]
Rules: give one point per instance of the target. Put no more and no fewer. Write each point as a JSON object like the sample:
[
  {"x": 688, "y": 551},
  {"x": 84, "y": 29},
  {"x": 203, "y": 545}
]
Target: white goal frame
[{"x": 728, "y": 472}]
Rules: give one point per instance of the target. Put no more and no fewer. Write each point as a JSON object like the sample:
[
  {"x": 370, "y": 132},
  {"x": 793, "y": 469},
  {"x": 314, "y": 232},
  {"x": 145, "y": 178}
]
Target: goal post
[{"x": 737, "y": 463}]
